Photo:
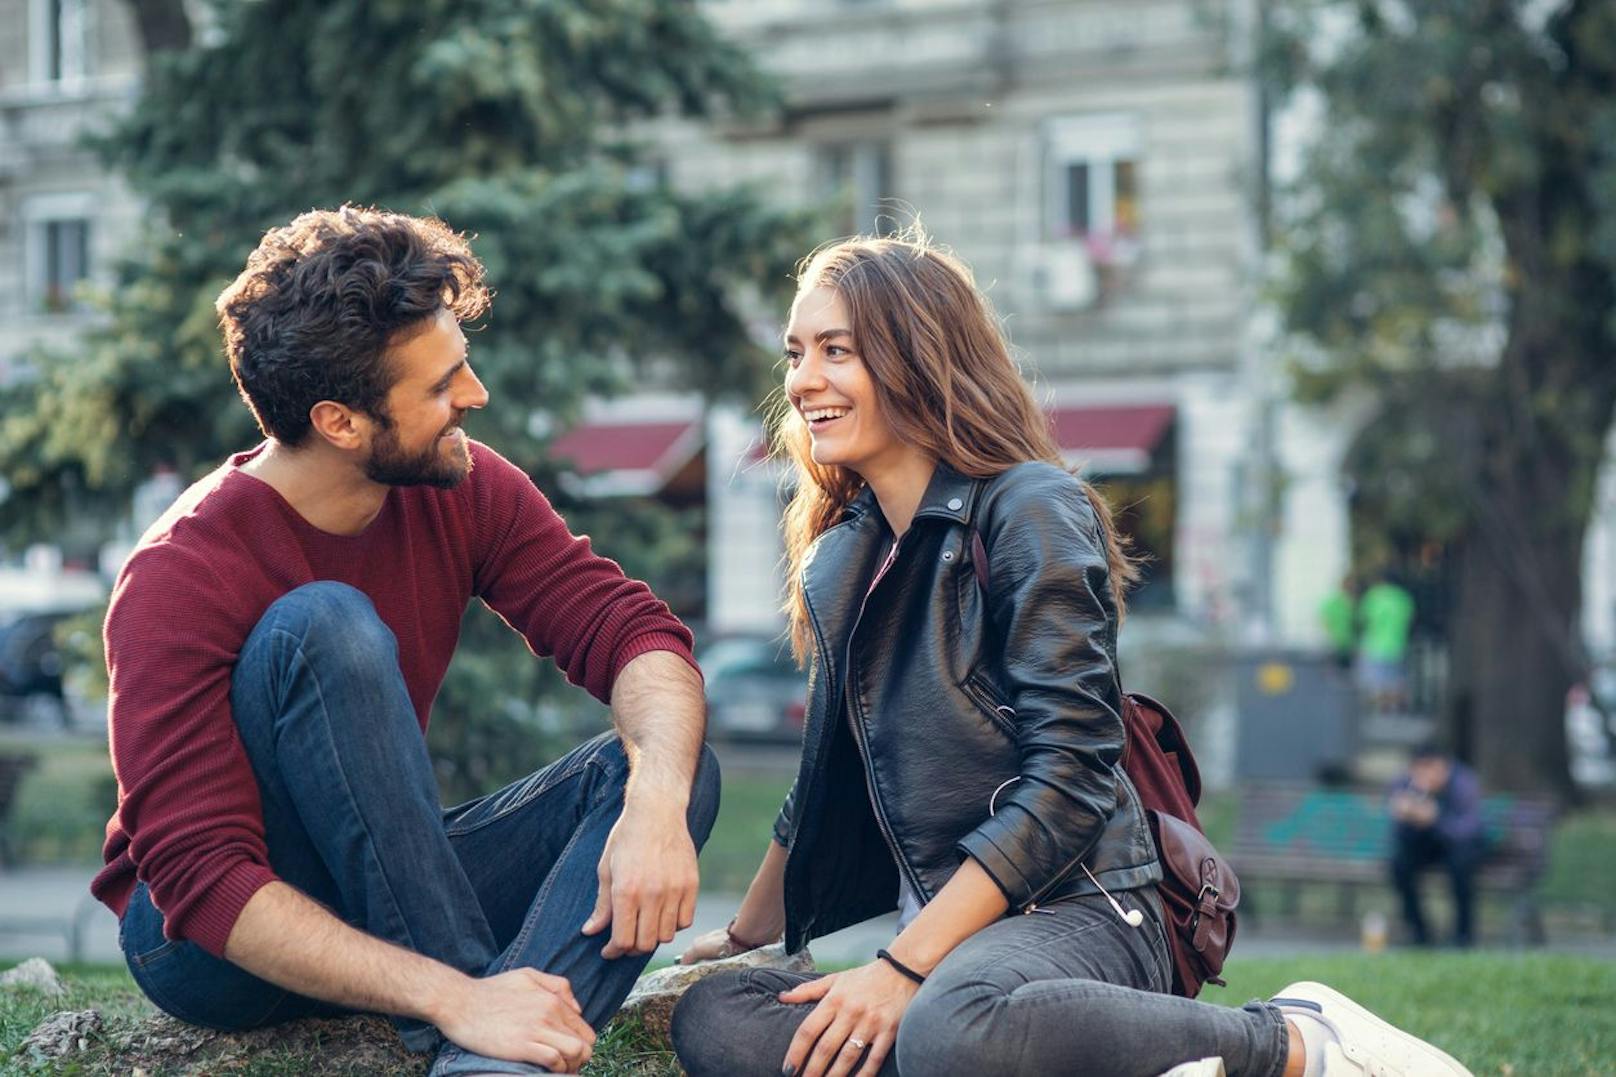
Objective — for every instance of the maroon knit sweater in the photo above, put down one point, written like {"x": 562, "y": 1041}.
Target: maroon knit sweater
{"x": 189, "y": 823}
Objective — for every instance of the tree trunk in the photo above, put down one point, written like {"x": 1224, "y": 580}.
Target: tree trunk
{"x": 163, "y": 24}
{"x": 1515, "y": 650}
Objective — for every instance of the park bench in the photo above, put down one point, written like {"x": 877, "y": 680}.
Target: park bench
{"x": 1296, "y": 834}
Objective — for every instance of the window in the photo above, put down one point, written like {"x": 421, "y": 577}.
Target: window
{"x": 1092, "y": 183}
{"x": 58, "y": 40}
{"x": 860, "y": 175}
{"x": 57, "y": 251}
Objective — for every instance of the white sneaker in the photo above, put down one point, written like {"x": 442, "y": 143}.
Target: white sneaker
{"x": 1364, "y": 1044}
{"x": 1206, "y": 1067}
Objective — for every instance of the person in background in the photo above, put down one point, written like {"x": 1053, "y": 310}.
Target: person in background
{"x": 1385, "y": 615}
{"x": 1339, "y": 615}
{"x": 1436, "y": 813}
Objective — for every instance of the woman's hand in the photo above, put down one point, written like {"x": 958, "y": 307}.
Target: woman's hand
{"x": 711, "y": 946}
{"x": 853, "y": 1028}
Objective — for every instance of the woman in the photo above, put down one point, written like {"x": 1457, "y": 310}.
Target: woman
{"x": 960, "y": 758}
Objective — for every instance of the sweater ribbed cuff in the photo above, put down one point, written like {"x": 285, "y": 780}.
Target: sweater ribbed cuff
{"x": 209, "y": 921}
{"x": 655, "y": 641}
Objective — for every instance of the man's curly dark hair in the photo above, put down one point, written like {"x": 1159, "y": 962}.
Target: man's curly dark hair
{"x": 312, "y": 315}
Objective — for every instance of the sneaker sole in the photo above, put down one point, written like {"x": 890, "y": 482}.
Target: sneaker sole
{"x": 1433, "y": 1056}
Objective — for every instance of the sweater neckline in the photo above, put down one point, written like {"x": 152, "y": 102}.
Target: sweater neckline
{"x": 289, "y": 511}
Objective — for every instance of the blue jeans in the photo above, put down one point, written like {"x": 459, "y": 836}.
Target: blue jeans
{"x": 1069, "y": 988}
{"x": 352, "y": 819}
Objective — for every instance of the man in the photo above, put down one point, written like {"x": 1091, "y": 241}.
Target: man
{"x": 274, "y": 646}
{"x": 1386, "y": 612}
{"x": 1436, "y": 813}
{"x": 1338, "y": 613}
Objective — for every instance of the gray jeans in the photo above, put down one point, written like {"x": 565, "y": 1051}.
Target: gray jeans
{"x": 1068, "y": 989}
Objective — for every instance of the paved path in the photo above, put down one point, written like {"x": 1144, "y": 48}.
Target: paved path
{"x": 39, "y": 905}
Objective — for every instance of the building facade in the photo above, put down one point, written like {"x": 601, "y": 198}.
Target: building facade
{"x": 65, "y": 67}
{"x": 1101, "y": 165}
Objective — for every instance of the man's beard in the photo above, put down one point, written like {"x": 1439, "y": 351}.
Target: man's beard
{"x": 391, "y": 465}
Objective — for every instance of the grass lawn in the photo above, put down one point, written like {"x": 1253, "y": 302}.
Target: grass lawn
{"x": 1498, "y": 1013}
{"x": 743, "y": 829}
{"x": 1510, "y": 1015}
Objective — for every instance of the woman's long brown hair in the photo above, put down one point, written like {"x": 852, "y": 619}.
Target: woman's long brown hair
{"x": 944, "y": 380}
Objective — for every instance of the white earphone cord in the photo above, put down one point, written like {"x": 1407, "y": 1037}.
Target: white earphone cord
{"x": 1131, "y": 917}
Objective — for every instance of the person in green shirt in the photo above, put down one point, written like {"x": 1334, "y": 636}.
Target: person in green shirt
{"x": 1339, "y": 613}
{"x": 1385, "y": 614}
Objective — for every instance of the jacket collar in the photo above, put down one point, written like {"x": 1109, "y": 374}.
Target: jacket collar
{"x": 949, "y": 496}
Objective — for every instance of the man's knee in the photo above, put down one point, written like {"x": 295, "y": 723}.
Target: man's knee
{"x": 704, "y": 797}
{"x": 334, "y": 621}
{"x": 320, "y": 634}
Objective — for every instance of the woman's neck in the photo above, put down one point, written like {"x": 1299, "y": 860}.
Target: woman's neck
{"x": 899, "y": 485}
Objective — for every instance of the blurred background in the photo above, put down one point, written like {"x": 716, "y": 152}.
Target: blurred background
{"x": 1320, "y": 293}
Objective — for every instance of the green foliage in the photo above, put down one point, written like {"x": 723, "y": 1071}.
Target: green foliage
{"x": 1449, "y": 274}
{"x": 1448, "y": 246}
{"x": 506, "y": 118}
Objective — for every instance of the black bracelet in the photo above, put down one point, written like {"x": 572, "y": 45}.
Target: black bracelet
{"x": 900, "y": 966}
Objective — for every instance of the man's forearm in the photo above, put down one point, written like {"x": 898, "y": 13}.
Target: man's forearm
{"x": 290, "y": 940}
{"x": 661, "y": 714}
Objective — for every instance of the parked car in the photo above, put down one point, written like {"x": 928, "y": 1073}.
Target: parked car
{"x": 754, "y": 690}
{"x": 31, "y": 669}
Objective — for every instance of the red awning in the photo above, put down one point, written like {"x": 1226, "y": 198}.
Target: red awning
{"x": 1115, "y": 439}
{"x": 628, "y": 457}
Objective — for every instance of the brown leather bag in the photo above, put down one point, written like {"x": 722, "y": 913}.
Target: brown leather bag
{"x": 1199, "y": 891}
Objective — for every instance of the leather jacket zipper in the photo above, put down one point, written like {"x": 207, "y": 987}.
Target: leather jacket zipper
{"x": 855, "y": 722}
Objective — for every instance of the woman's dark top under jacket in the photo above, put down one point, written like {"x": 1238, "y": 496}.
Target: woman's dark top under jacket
{"x": 988, "y": 729}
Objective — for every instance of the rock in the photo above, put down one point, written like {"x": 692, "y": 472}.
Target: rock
{"x": 163, "y": 1044}
{"x": 35, "y": 973}
{"x": 653, "y": 998}
{"x": 62, "y": 1034}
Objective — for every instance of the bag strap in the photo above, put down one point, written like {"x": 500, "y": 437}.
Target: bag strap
{"x": 979, "y": 560}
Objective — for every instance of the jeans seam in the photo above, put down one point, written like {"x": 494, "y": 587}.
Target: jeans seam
{"x": 572, "y": 772}
{"x": 1035, "y": 944}
{"x": 348, "y": 793}
{"x": 530, "y": 921}
{"x": 184, "y": 1013}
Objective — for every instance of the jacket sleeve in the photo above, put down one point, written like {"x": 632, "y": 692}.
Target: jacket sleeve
{"x": 1049, "y": 602}
{"x": 785, "y": 824}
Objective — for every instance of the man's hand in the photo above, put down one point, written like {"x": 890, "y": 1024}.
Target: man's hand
{"x": 648, "y": 881}
{"x": 523, "y": 1015}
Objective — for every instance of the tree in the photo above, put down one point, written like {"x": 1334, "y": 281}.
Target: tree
{"x": 1449, "y": 252}
{"x": 507, "y": 118}
{"x": 163, "y": 24}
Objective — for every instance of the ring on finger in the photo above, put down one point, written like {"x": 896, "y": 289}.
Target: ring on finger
{"x": 856, "y": 1043}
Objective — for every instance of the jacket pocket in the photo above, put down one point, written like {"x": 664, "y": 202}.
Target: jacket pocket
{"x": 981, "y": 693}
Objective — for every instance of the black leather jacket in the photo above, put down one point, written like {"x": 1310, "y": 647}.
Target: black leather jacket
{"x": 988, "y": 729}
